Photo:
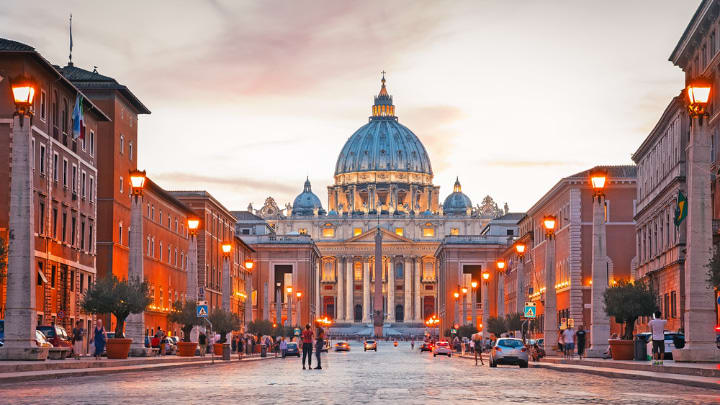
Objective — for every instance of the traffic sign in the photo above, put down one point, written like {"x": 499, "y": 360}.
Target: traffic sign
{"x": 61, "y": 315}
{"x": 296, "y": 332}
{"x": 202, "y": 311}
{"x": 453, "y": 331}
{"x": 563, "y": 323}
{"x": 530, "y": 312}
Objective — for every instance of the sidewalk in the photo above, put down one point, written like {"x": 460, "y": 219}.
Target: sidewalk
{"x": 19, "y": 371}
{"x": 704, "y": 375}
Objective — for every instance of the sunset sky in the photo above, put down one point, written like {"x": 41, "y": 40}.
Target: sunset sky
{"x": 248, "y": 98}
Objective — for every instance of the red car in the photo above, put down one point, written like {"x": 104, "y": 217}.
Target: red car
{"x": 426, "y": 347}
{"x": 56, "y": 335}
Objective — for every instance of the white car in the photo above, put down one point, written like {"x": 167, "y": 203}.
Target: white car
{"x": 509, "y": 351}
{"x": 442, "y": 348}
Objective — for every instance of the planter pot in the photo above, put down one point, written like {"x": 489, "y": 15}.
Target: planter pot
{"x": 622, "y": 349}
{"x": 218, "y": 349}
{"x": 118, "y": 348}
{"x": 186, "y": 349}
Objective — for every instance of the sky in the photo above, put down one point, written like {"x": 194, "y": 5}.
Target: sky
{"x": 250, "y": 97}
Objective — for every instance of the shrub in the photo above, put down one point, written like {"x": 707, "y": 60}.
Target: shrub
{"x": 185, "y": 314}
{"x": 626, "y": 302}
{"x": 121, "y": 298}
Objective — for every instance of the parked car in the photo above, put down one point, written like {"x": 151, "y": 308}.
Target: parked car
{"x": 292, "y": 349}
{"x": 342, "y": 346}
{"x": 509, "y": 351}
{"x": 673, "y": 340}
{"x": 426, "y": 347}
{"x": 56, "y": 335}
{"x": 370, "y": 345}
{"x": 442, "y": 348}
{"x": 41, "y": 340}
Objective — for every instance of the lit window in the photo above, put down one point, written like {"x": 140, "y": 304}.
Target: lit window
{"x": 454, "y": 231}
{"x": 328, "y": 273}
{"x": 328, "y": 232}
{"x": 357, "y": 231}
{"x": 358, "y": 271}
{"x": 399, "y": 231}
{"x": 121, "y": 184}
{"x": 428, "y": 232}
{"x": 122, "y": 145}
{"x": 302, "y": 231}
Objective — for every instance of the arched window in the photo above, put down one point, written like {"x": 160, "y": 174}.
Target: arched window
{"x": 428, "y": 271}
{"x": 122, "y": 144}
{"x": 328, "y": 273}
{"x": 399, "y": 271}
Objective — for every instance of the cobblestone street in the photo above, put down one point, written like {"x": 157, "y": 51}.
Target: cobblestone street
{"x": 390, "y": 375}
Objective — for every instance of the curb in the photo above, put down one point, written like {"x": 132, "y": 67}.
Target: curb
{"x": 85, "y": 372}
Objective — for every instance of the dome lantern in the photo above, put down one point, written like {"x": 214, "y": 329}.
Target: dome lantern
{"x": 383, "y": 107}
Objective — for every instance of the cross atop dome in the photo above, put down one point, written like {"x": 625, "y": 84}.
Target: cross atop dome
{"x": 383, "y": 106}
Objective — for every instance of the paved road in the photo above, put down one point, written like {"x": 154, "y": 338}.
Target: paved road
{"x": 392, "y": 375}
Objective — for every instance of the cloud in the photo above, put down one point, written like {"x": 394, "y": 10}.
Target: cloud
{"x": 178, "y": 180}
{"x": 521, "y": 164}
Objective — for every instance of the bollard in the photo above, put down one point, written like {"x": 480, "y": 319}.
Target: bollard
{"x": 226, "y": 351}
{"x": 263, "y": 351}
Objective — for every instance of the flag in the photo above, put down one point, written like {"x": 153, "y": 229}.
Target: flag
{"x": 680, "y": 209}
{"x": 78, "y": 118}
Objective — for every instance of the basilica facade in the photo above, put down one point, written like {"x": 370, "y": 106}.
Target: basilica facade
{"x": 383, "y": 183}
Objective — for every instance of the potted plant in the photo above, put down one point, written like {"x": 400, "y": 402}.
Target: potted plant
{"x": 121, "y": 298}
{"x": 223, "y": 322}
{"x": 184, "y": 313}
{"x": 626, "y": 302}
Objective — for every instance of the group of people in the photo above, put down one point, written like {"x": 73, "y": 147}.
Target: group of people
{"x": 307, "y": 337}
{"x": 99, "y": 338}
{"x": 568, "y": 339}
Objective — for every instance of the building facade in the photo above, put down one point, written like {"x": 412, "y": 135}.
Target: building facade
{"x": 64, "y": 180}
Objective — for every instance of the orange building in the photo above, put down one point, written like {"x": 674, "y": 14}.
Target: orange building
{"x": 65, "y": 179}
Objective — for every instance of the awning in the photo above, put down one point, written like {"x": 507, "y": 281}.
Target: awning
{"x": 42, "y": 277}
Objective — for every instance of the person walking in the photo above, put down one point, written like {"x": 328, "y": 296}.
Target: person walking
{"x": 569, "y": 339}
{"x": 99, "y": 339}
{"x": 477, "y": 347}
{"x": 412, "y": 344}
{"x": 283, "y": 347}
{"x": 319, "y": 344}
{"x": 657, "y": 327}
{"x": 202, "y": 342}
{"x": 307, "y": 343}
{"x": 581, "y": 337}
{"x": 77, "y": 339}
{"x": 561, "y": 343}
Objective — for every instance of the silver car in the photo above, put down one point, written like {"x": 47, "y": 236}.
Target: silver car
{"x": 509, "y": 351}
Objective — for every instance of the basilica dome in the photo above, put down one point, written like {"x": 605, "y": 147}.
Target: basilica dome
{"x": 457, "y": 203}
{"x": 307, "y": 202}
{"x": 383, "y": 144}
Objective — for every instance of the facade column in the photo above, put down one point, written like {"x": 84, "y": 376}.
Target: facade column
{"x": 599, "y": 321}
{"x": 699, "y": 297}
{"x": 317, "y": 291}
{"x": 551, "y": 324}
{"x": 349, "y": 286}
{"x": 289, "y": 306}
{"x": 418, "y": 298}
{"x": 226, "y": 293}
{"x": 366, "y": 291}
{"x": 248, "y": 299}
{"x": 500, "y": 294}
{"x": 340, "y": 310}
{"x": 473, "y": 293}
{"x": 266, "y": 302}
{"x": 520, "y": 285}
{"x": 278, "y": 306}
{"x": 135, "y": 325}
{"x": 391, "y": 291}
{"x": 21, "y": 317}
{"x": 407, "y": 309}
{"x": 485, "y": 307}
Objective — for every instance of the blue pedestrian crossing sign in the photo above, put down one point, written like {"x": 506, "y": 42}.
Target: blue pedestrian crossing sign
{"x": 202, "y": 310}
{"x": 529, "y": 311}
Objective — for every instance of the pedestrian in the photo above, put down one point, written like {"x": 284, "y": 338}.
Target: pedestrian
{"x": 412, "y": 344}
{"x": 319, "y": 344}
{"x": 77, "y": 339}
{"x": 161, "y": 336}
{"x": 657, "y": 327}
{"x": 283, "y": 347}
{"x": 233, "y": 344}
{"x": 561, "y": 343}
{"x": 202, "y": 341}
{"x": 307, "y": 343}
{"x": 99, "y": 338}
{"x": 477, "y": 344}
{"x": 569, "y": 339}
{"x": 581, "y": 337}
{"x": 240, "y": 345}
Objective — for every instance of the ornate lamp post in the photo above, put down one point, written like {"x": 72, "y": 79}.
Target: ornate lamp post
{"x": 699, "y": 299}
{"x": 486, "y": 302}
{"x": 249, "y": 264}
{"x": 599, "y": 321}
{"x": 457, "y": 310}
{"x": 135, "y": 326}
{"x": 501, "y": 269}
{"x": 464, "y": 313}
{"x": 21, "y": 317}
{"x": 520, "y": 278}
{"x": 193, "y": 292}
{"x": 473, "y": 292}
{"x": 289, "y": 305}
{"x": 551, "y": 325}
{"x": 227, "y": 250}
{"x": 298, "y": 295}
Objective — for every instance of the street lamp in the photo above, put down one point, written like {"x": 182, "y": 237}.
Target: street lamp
{"x": 520, "y": 249}
{"x": 549, "y": 223}
{"x": 136, "y": 322}
{"x": 473, "y": 292}
{"x": 137, "y": 181}
{"x": 298, "y": 295}
{"x": 289, "y": 305}
{"x": 23, "y": 89}
{"x": 249, "y": 264}
{"x": 457, "y": 310}
{"x": 500, "y": 265}
{"x": 226, "y": 249}
{"x": 520, "y": 276}
{"x": 485, "y": 299}
{"x": 599, "y": 321}
{"x": 193, "y": 223}
{"x": 698, "y": 94}
{"x": 550, "y": 305}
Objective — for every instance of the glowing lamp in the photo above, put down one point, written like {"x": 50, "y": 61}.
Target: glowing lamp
{"x": 137, "y": 181}
{"x": 549, "y": 222}
{"x": 298, "y": 294}
{"x": 249, "y": 264}
{"x": 226, "y": 248}
{"x": 520, "y": 248}
{"x": 193, "y": 223}
{"x": 456, "y": 295}
{"x": 717, "y": 329}
{"x": 464, "y": 290}
{"x": 473, "y": 284}
{"x": 289, "y": 290}
{"x": 23, "y": 89}
{"x": 500, "y": 264}
{"x": 698, "y": 94}
{"x": 486, "y": 276}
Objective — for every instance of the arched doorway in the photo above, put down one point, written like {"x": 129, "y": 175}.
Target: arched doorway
{"x": 399, "y": 313}
{"x": 428, "y": 306}
{"x": 358, "y": 313}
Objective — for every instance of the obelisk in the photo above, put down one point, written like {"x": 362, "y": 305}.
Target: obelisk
{"x": 378, "y": 313}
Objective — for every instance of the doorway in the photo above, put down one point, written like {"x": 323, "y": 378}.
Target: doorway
{"x": 399, "y": 313}
{"x": 358, "y": 313}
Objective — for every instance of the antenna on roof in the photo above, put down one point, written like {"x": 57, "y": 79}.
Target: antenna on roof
{"x": 70, "y": 62}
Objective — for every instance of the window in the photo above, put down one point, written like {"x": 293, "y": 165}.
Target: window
{"x": 90, "y": 238}
{"x": 357, "y": 231}
{"x": 120, "y": 233}
{"x": 147, "y": 250}
{"x": 54, "y": 224}
{"x": 673, "y": 304}
{"x": 39, "y": 277}
{"x": 65, "y": 173}
{"x": 130, "y": 150}
{"x": 82, "y": 235}
{"x": 74, "y": 179}
{"x": 428, "y": 232}
{"x": 428, "y": 271}
{"x": 122, "y": 145}
{"x": 302, "y": 231}
{"x": 92, "y": 187}
{"x": 43, "y": 102}
{"x": 169, "y": 255}
{"x": 399, "y": 271}
{"x": 56, "y": 167}
{"x": 399, "y": 231}
{"x": 152, "y": 213}
{"x": 64, "y": 116}
{"x": 328, "y": 232}
{"x": 53, "y": 275}
{"x": 358, "y": 270}
{"x": 454, "y": 231}
{"x": 152, "y": 251}
{"x": 64, "y": 226}
{"x": 328, "y": 273}
{"x": 41, "y": 213}
{"x": 72, "y": 230}
{"x": 161, "y": 251}
{"x": 121, "y": 184}
{"x": 32, "y": 155}
{"x": 82, "y": 139}
{"x": 82, "y": 185}
{"x": 92, "y": 143}
{"x": 42, "y": 159}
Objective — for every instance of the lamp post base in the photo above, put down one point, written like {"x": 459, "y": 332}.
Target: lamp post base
{"x": 598, "y": 352}
{"x": 24, "y": 353}
{"x": 705, "y": 354}
{"x": 140, "y": 352}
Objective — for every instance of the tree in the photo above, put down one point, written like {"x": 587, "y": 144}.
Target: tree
{"x": 185, "y": 314}
{"x": 627, "y": 301}
{"x": 260, "y": 327}
{"x": 3, "y": 259}
{"x": 514, "y": 321}
{"x": 121, "y": 298}
{"x": 466, "y": 331}
{"x": 223, "y": 322}
{"x": 495, "y": 326}
{"x": 713, "y": 271}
